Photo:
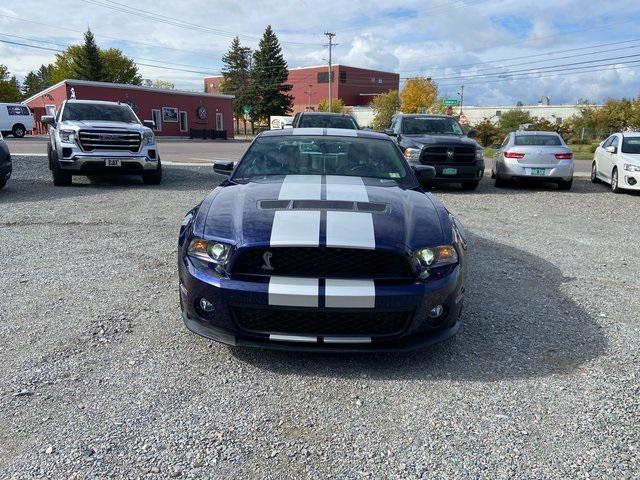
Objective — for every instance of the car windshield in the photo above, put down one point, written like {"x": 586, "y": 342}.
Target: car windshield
{"x": 631, "y": 145}
{"x": 327, "y": 121}
{"x": 322, "y": 155}
{"x": 431, "y": 126}
{"x": 537, "y": 140}
{"x": 96, "y": 111}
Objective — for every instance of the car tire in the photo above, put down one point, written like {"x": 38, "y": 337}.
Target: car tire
{"x": 60, "y": 178}
{"x": 3, "y": 182}
{"x": 565, "y": 185}
{"x": 18, "y": 131}
{"x": 470, "y": 186}
{"x": 614, "y": 181}
{"x": 594, "y": 174}
{"x": 500, "y": 182}
{"x": 154, "y": 177}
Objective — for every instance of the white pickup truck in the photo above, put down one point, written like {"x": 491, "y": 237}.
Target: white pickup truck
{"x": 90, "y": 137}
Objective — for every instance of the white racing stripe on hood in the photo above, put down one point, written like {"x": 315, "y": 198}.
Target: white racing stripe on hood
{"x": 295, "y": 229}
{"x": 346, "y": 188}
{"x": 341, "y": 293}
{"x": 301, "y": 187}
{"x": 350, "y": 230}
{"x": 294, "y": 291}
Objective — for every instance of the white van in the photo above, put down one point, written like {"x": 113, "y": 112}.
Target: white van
{"x": 15, "y": 119}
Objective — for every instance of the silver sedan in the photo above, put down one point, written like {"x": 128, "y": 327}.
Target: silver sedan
{"x": 533, "y": 155}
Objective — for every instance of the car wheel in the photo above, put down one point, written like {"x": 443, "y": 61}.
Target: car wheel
{"x": 594, "y": 173}
{"x": 3, "y": 182}
{"x": 18, "y": 131}
{"x": 493, "y": 173}
{"x": 470, "y": 186}
{"x": 614, "y": 181}
{"x": 500, "y": 182}
{"x": 153, "y": 178}
{"x": 565, "y": 185}
{"x": 60, "y": 178}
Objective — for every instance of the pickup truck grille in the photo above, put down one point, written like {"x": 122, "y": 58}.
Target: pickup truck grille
{"x": 114, "y": 140}
{"x": 448, "y": 154}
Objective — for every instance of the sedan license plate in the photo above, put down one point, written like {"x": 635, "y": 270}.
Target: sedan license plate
{"x": 112, "y": 162}
{"x": 538, "y": 172}
{"x": 449, "y": 171}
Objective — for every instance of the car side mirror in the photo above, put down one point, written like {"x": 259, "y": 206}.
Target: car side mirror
{"x": 149, "y": 124}
{"x": 48, "y": 120}
{"x": 424, "y": 173}
{"x": 610, "y": 149}
{"x": 473, "y": 133}
{"x": 390, "y": 132}
{"x": 223, "y": 168}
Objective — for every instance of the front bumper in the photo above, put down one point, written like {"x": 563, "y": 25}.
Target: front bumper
{"x": 227, "y": 295}
{"x": 511, "y": 169}
{"x": 74, "y": 160}
{"x": 629, "y": 180}
{"x": 5, "y": 171}
{"x": 468, "y": 173}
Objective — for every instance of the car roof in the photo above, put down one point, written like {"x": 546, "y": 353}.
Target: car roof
{"x": 631, "y": 134}
{"x": 528, "y": 132}
{"x": 332, "y": 114}
{"x": 100, "y": 102}
{"x": 325, "y": 132}
{"x": 432, "y": 115}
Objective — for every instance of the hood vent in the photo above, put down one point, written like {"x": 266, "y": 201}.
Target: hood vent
{"x": 335, "y": 205}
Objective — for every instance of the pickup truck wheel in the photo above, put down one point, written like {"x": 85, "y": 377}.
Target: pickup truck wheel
{"x": 60, "y": 178}
{"x": 18, "y": 131}
{"x": 470, "y": 186}
{"x": 154, "y": 177}
{"x": 3, "y": 182}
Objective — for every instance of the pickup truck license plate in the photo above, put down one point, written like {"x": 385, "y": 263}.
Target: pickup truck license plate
{"x": 449, "y": 171}
{"x": 113, "y": 162}
{"x": 538, "y": 172}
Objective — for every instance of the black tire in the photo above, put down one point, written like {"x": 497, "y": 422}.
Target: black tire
{"x": 594, "y": 176}
{"x": 60, "y": 178}
{"x": 153, "y": 178}
{"x": 470, "y": 186}
{"x": 614, "y": 181}
{"x": 500, "y": 182}
{"x": 3, "y": 182}
{"x": 565, "y": 185}
{"x": 18, "y": 131}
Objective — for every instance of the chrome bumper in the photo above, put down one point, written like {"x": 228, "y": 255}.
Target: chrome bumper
{"x": 563, "y": 170}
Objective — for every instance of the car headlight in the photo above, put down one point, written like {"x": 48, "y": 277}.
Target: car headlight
{"x": 631, "y": 168}
{"x": 211, "y": 252}
{"x": 67, "y": 136}
{"x": 412, "y": 153}
{"x": 148, "y": 138}
{"x": 479, "y": 154}
{"x": 427, "y": 258}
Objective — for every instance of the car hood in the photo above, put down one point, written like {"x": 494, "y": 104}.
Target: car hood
{"x": 266, "y": 212}
{"x": 97, "y": 124}
{"x": 425, "y": 140}
{"x": 633, "y": 158}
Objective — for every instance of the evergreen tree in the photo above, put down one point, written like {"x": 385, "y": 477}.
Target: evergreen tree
{"x": 31, "y": 84}
{"x": 87, "y": 62}
{"x": 237, "y": 77}
{"x": 9, "y": 87}
{"x": 268, "y": 74}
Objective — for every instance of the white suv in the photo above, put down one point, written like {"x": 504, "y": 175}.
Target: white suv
{"x": 617, "y": 162}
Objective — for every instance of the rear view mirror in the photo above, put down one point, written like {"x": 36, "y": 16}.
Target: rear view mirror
{"x": 610, "y": 149}
{"x": 48, "y": 120}
{"x": 424, "y": 173}
{"x": 223, "y": 168}
{"x": 149, "y": 124}
{"x": 389, "y": 132}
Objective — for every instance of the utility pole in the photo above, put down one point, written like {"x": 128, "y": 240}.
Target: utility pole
{"x": 461, "y": 97}
{"x": 330, "y": 36}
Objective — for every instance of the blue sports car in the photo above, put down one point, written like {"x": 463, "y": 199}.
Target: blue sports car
{"x": 322, "y": 239}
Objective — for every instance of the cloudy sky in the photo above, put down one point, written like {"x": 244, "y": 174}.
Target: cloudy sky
{"x": 503, "y": 51}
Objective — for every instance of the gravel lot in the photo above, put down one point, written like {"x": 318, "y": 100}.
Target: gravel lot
{"x": 101, "y": 379}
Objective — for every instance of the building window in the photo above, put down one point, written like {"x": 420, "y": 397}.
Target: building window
{"x": 156, "y": 116}
{"x": 343, "y": 76}
{"x": 184, "y": 124}
{"x": 219, "y": 122}
{"x": 498, "y": 113}
{"x": 379, "y": 80}
{"x": 323, "y": 77}
{"x": 373, "y": 80}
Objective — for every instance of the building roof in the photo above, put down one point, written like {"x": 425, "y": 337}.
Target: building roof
{"x": 342, "y": 65}
{"x": 124, "y": 86}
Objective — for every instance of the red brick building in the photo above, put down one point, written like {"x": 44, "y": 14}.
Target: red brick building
{"x": 175, "y": 112}
{"x": 355, "y": 86}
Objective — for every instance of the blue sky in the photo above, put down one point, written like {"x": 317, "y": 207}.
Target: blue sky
{"x": 503, "y": 51}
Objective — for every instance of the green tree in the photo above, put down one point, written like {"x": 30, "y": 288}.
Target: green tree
{"x": 337, "y": 106}
{"x": 384, "y": 107}
{"x": 87, "y": 63}
{"x": 269, "y": 73}
{"x": 236, "y": 75}
{"x": 512, "y": 119}
{"x": 118, "y": 68}
{"x": 488, "y": 133}
{"x": 9, "y": 86}
{"x": 418, "y": 95}
{"x": 163, "y": 84}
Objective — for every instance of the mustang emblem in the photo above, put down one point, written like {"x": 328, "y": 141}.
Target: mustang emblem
{"x": 266, "y": 258}
{"x": 449, "y": 153}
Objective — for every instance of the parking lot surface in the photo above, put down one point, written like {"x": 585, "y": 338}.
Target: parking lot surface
{"x": 101, "y": 379}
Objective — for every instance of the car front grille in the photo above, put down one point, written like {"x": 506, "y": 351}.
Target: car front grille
{"x": 266, "y": 320}
{"x": 112, "y": 140}
{"x": 443, "y": 154}
{"x": 323, "y": 262}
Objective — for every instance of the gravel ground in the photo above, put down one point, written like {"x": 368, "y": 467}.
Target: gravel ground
{"x": 101, "y": 379}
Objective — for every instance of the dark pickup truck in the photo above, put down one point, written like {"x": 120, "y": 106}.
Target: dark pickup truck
{"x": 439, "y": 141}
